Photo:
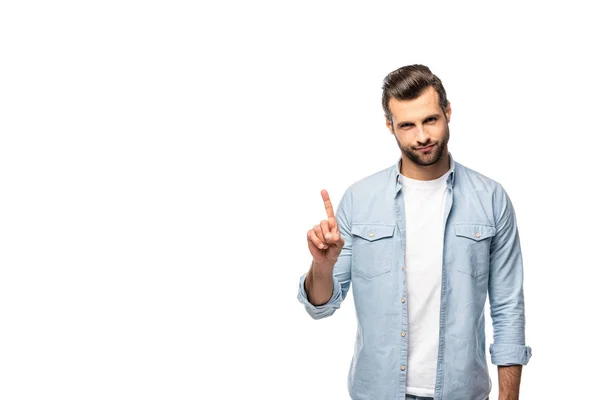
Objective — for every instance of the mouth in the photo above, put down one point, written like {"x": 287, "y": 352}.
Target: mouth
{"x": 425, "y": 149}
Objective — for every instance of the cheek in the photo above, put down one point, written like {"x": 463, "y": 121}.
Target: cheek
{"x": 437, "y": 131}
{"x": 403, "y": 142}
{"x": 399, "y": 138}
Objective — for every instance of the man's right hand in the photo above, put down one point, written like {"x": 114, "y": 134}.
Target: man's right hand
{"x": 324, "y": 240}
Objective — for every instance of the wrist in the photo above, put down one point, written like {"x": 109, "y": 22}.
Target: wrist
{"x": 322, "y": 269}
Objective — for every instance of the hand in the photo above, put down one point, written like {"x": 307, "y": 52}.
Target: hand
{"x": 324, "y": 240}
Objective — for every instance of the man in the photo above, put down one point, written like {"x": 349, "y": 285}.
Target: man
{"x": 423, "y": 243}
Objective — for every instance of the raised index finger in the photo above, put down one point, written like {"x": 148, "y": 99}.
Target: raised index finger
{"x": 328, "y": 206}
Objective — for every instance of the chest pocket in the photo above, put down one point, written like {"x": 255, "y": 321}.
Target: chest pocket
{"x": 372, "y": 249}
{"x": 473, "y": 245}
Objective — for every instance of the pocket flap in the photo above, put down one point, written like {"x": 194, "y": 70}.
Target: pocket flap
{"x": 476, "y": 232}
{"x": 372, "y": 232}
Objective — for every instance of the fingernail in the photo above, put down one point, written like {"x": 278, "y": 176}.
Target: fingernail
{"x": 321, "y": 246}
{"x": 328, "y": 236}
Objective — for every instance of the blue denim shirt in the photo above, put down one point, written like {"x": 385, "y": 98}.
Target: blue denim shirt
{"x": 481, "y": 257}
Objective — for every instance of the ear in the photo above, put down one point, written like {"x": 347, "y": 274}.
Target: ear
{"x": 389, "y": 125}
{"x": 448, "y": 112}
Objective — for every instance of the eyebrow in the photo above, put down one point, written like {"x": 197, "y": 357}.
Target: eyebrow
{"x": 436, "y": 115}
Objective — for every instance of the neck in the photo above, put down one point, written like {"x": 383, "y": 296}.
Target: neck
{"x": 425, "y": 172}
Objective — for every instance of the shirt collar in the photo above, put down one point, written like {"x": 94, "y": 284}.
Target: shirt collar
{"x": 449, "y": 180}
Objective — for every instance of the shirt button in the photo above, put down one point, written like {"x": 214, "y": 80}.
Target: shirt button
{"x": 403, "y": 368}
{"x": 371, "y": 234}
{"x": 403, "y": 333}
{"x": 403, "y": 268}
{"x": 478, "y": 235}
{"x": 403, "y": 299}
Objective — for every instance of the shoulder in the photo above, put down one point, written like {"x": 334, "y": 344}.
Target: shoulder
{"x": 471, "y": 182}
{"x": 467, "y": 180}
{"x": 375, "y": 183}
{"x": 371, "y": 190}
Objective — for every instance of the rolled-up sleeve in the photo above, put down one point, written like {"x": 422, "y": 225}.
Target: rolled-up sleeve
{"x": 505, "y": 286}
{"x": 325, "y": 310}
{"x": 510, "y": 354}
{"x": 341, "y": 269}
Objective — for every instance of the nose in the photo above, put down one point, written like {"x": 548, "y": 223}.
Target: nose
{"x": 423, "y": 136}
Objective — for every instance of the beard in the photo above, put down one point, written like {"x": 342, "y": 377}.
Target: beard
{"x": 432, "y": 156}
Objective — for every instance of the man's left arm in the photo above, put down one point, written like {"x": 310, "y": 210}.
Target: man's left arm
{"x": 509, "y": 380}
{"x": 507, "y": 306}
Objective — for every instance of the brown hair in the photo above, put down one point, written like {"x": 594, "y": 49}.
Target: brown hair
{"x": 407, "y": 83}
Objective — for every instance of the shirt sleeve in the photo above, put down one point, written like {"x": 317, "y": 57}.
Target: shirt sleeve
{"x": 341, "y": 269}
{"x": 505, "y": 287}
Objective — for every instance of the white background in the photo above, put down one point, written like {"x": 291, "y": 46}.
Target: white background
{"x": 161, "y": 162}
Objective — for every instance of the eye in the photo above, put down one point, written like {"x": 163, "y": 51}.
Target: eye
{"x": 430, "y": 120}
{"x": 406, "y": 126}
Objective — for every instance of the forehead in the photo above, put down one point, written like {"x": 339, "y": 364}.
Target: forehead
{"x": 408, "y": 110}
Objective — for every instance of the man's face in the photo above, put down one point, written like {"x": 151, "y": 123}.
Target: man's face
{"x": 420, "y": 127}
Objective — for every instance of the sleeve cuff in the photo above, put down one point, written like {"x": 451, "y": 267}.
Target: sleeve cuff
{"x": 325, "y": 310}
{"x": 510, "y": 354}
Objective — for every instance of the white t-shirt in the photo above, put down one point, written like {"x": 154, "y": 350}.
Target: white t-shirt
{"x": 424, "y": 203}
